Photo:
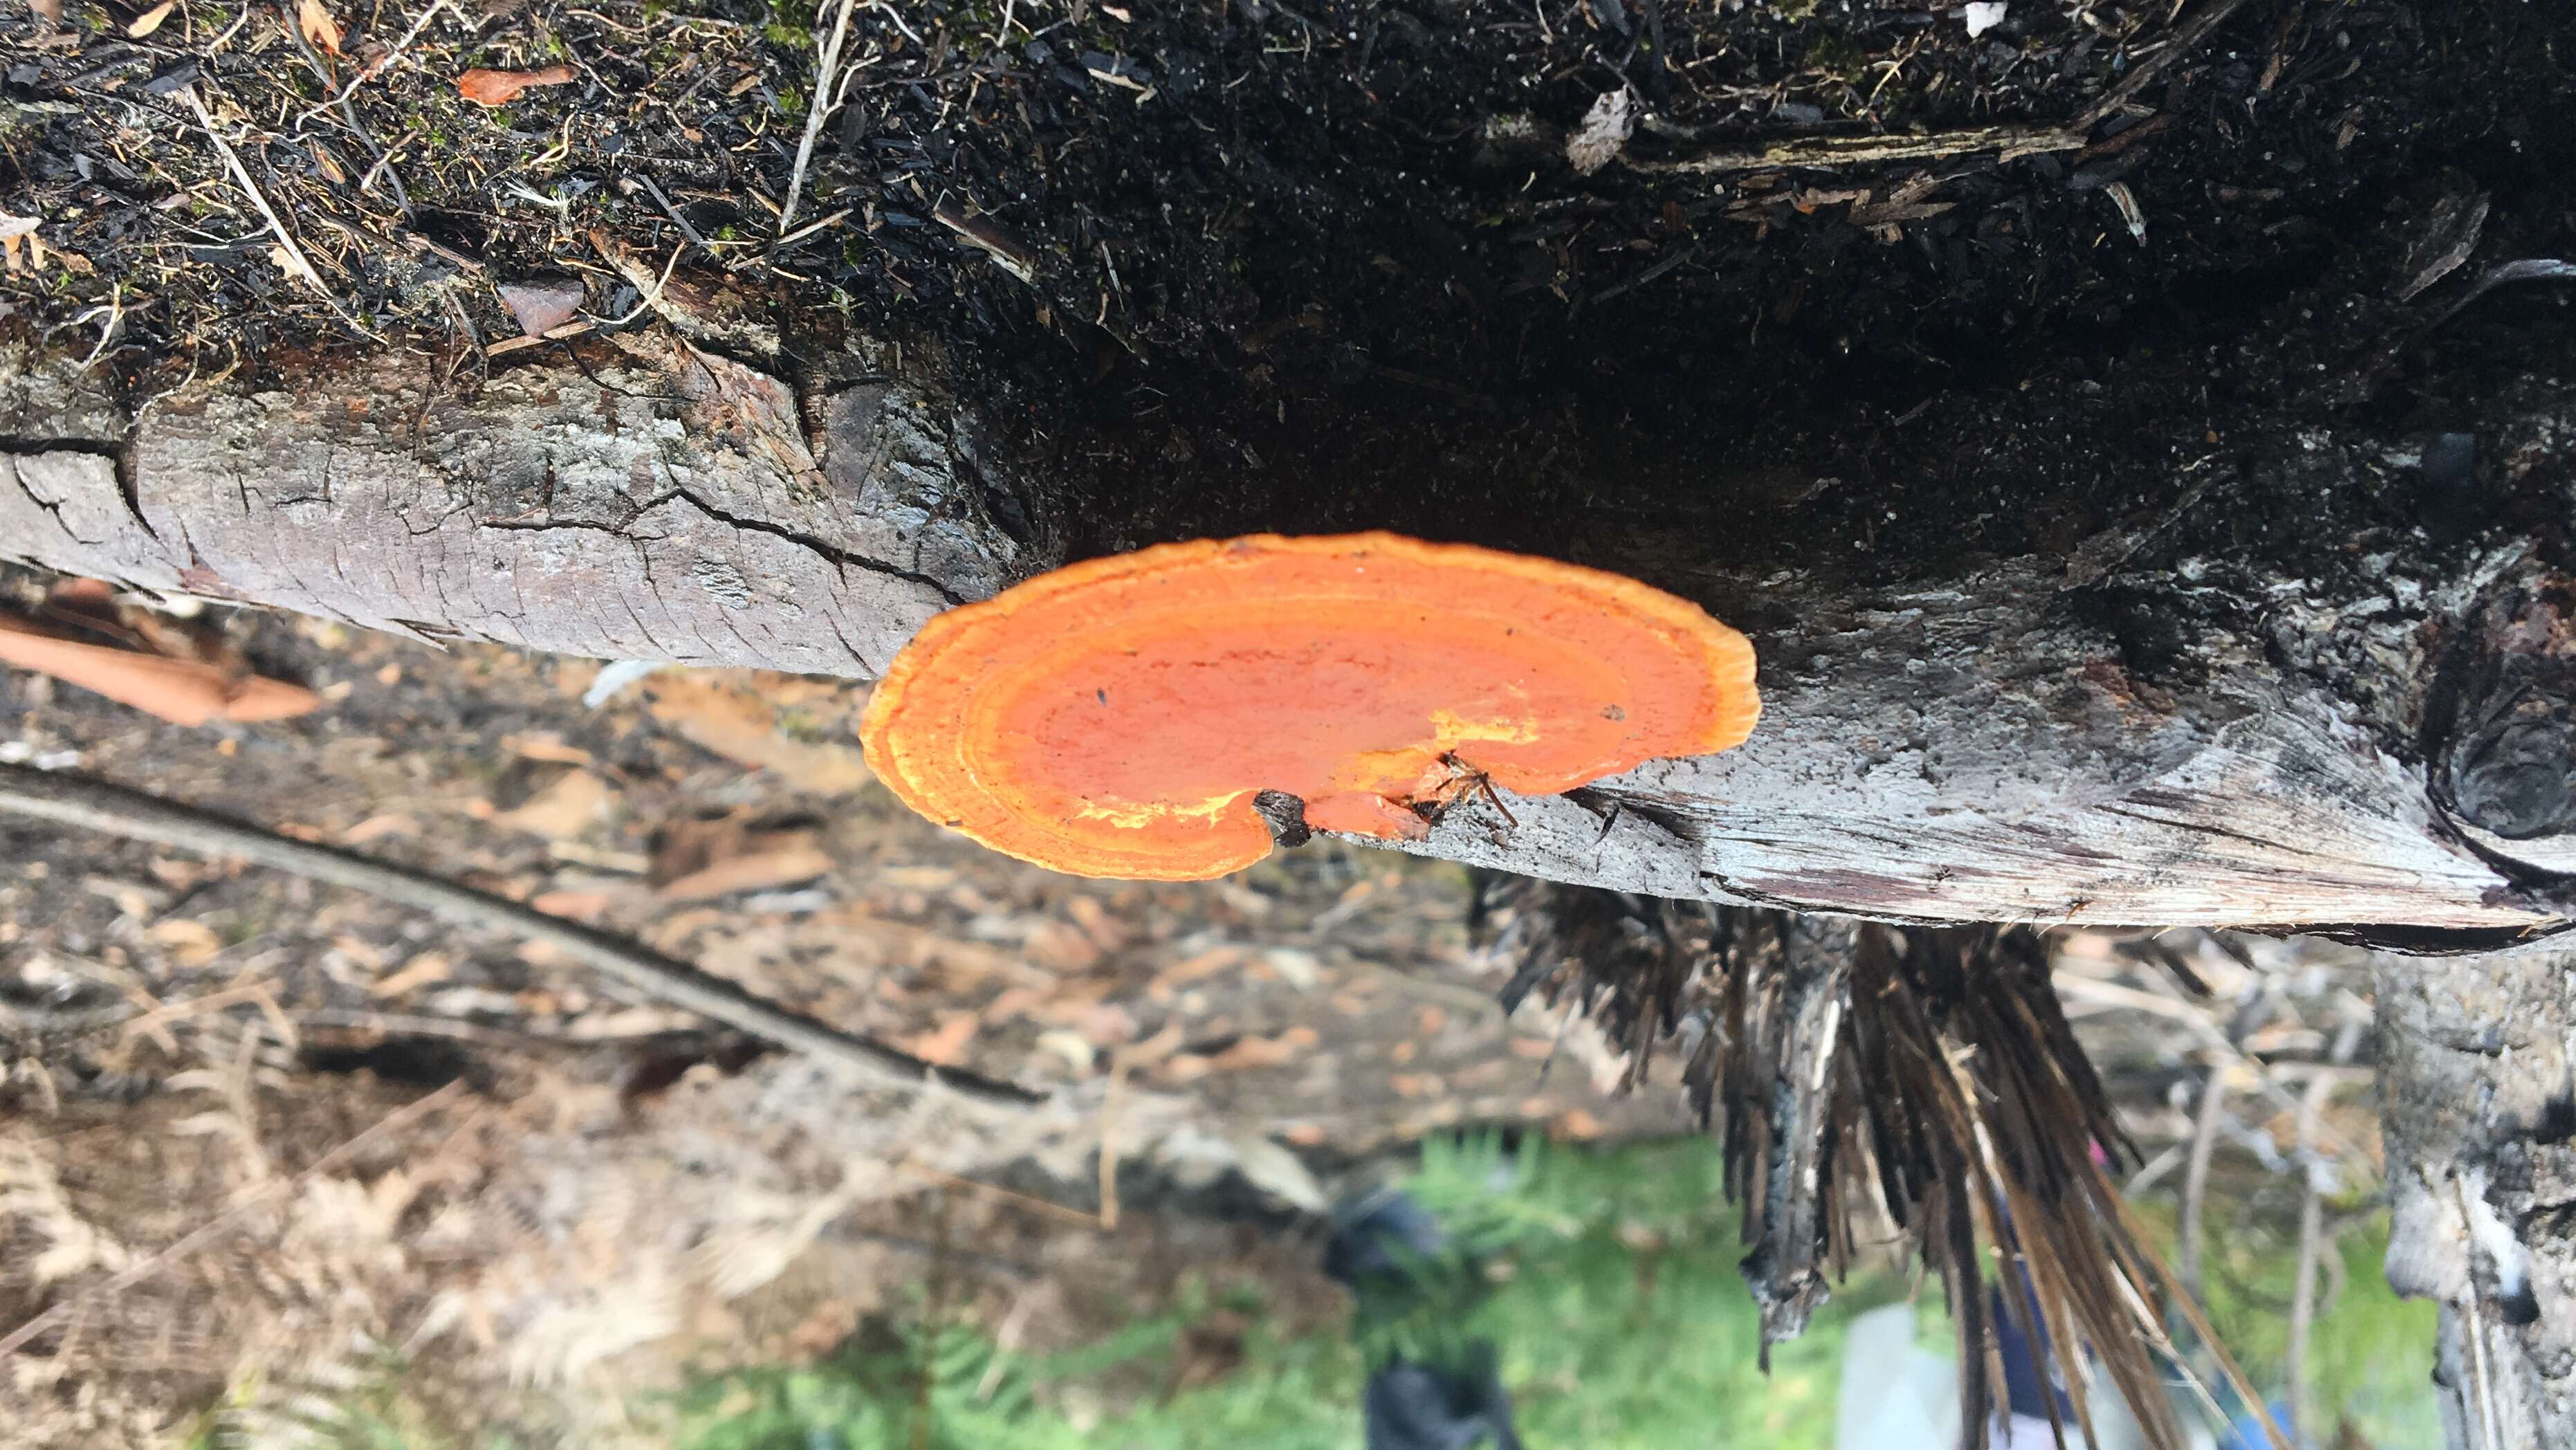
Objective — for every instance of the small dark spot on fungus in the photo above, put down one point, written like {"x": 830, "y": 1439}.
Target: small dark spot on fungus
{"x": 1368, "y": 680}
{"x": 1286, "y": 817}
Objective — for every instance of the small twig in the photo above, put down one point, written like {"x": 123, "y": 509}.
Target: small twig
{"x": 673, "y": 213}
{"x": 382, "y": 65}
{"x": 896, "y": 16}
{"x": 2530, "y": 269}
{"x": 2264, "y": 1077}
{"x": 401, "y": 1117}
{"x": 810, "y": 228}
{"x": 624, "y": 262}
{"x": 2145, "y": 71}
{"x": 110, "y": 316}
{"x": 385, "y": 167}
{"x": 2195, "y": 1179}
{"x": 1832, "y": 151}
{"x": 1112, "y": 1110}
{"x": 564, "y": 333}
{"x": 1650, "y": 274}
{"x": 818, "y": 108}
{"x": 1008, "y": 252}
{"x": 99, "y": 806}
{"x": 2481, "y": 1374}
{"x": 348, "y": 113}
{"x": 242, "y": 177}
{"x": 1037, "y": 1206}
{"x": 2303, "y": 1292}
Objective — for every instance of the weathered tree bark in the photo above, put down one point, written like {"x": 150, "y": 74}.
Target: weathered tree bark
{"x": 2384, "y": 751}
{"x": 656, "y": 501}
{"x": 2478, "y": 1077}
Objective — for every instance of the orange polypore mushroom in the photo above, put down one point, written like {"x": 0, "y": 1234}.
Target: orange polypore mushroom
{"x": 1118, "y": 717}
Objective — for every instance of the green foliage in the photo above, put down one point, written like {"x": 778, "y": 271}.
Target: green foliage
{"x": 2370, "y": 1353}
{"x": 1606, "y": 1278}
{"x": 1622, "y": 1320}
{"x": 916, "y": 1388}
{"x": 377, "y": 1411}
{"x": 1608, "y": 1283}
{"x": 942, "y": 1389}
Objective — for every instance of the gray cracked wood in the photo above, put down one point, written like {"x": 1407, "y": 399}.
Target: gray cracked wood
{"x": 1958, "y": 754}
{"x": 2477, "y": 1072}
{"x": 652, "y": 502}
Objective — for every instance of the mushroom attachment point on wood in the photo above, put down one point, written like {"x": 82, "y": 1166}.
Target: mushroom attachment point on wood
{"x": 1129, "y": 716}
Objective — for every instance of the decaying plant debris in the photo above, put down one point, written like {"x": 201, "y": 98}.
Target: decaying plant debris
{"x": 1921, "y": 1079}
{"x": 1165, "y": 238}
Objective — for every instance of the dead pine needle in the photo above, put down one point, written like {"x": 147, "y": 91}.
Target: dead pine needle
{"x": 818, "y": 109}
{"x": 1039, "y": 1206}
{"x": 296, "y": 260}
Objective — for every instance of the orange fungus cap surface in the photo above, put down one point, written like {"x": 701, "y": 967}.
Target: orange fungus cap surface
{"x": 1117, "y": 717}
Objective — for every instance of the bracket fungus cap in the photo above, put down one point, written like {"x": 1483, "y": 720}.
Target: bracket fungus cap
{"x": 1118, "y": 717}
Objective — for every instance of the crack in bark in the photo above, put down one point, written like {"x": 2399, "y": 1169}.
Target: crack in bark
{"x": 2206, "y": 829}
{"x": 839, "y": 557}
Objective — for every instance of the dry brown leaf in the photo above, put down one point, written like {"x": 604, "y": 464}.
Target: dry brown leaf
{"x": 716, "y": 716}
{"x": 1060, "y": 946}
{"x": 1576, "y": 1123}
{"x": 1206, "y": 964}
{"x": 20, "y": 247}
{"x": 945, "y": 1043}
{"x": 765, "y": 871}
{"x": 565, "y": 808}
{"x": 150, "y": 20}
{"x": 542, "y": 304}
{"x": 582, "y": 906}
{"x": 376, "y": 828}
{"x": 701, "y": 860}
{"x": 501, "y": 87}
{"x": 183, "y": 692}
{"x": 189, "y": 943}
{"x": 1068, "y": 1046}
{"x": 546, "y": 746}
{"x": 314, "y": 19}
{"x": 420, "y": 971}
{"x": 1244, "y": 1054}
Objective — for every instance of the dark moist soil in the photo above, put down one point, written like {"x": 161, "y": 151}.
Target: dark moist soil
{"x": 1328, "y": 266}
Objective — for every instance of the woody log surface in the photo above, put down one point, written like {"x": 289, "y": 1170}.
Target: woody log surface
{"x": 2206, "y": 565}
{"x": 1963, "y": 747}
